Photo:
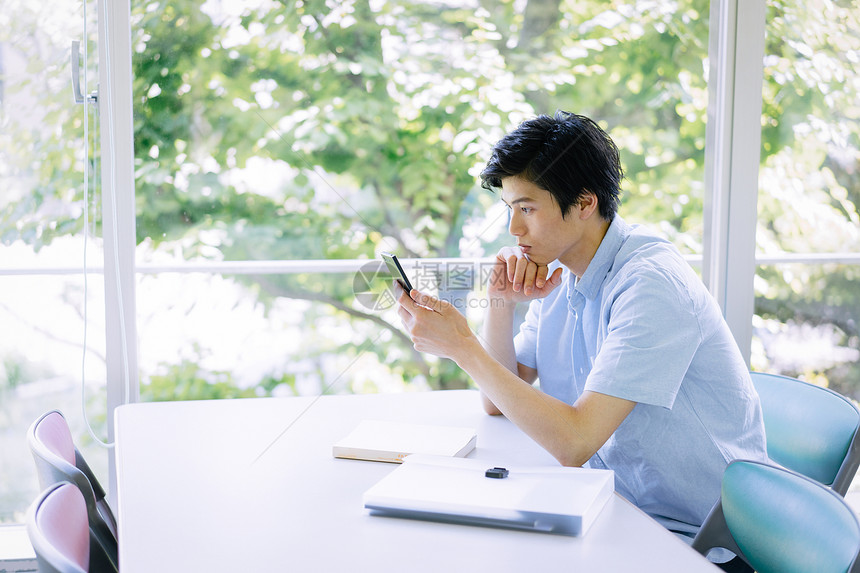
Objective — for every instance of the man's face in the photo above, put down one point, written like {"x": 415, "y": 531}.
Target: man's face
{"x": 536, "y": 222}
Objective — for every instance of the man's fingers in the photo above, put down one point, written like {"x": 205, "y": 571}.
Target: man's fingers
{"x": 419, "y": 298}
{"x": 540, "y": 277}
{"x": 512, "y": 261}
{"x": 426, "y": 301}
{"x": 520, "y": 274}
{"x": 498, "y": 276}
{"x": 401, "y": 295}
{"x": 529, "y": 278}
{"x": 403, "y": 314}
{"x": 553, "y": 281}
{"x": 523, "y": 274}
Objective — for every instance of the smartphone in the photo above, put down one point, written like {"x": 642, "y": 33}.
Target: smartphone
{"x": 394, "y": 267}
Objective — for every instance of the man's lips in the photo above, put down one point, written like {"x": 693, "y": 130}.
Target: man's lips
{"x": 525, "y": 248}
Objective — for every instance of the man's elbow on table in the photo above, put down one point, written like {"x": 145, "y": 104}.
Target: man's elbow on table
{"x": 489, "y": 407}
{"x": 571, "y": 459}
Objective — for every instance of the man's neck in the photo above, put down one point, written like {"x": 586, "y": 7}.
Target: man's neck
{"x": 595, "y": 231}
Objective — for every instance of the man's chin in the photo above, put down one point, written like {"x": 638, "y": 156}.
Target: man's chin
{"x": 537, "y": 259}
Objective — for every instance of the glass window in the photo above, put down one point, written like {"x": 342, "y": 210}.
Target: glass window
{"x": 808, "y": 314}
{"x": 320, "y": 130}
{"x": 42, "y": 287}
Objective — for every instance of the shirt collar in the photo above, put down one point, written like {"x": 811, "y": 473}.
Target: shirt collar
{"x": 590, "y": 282}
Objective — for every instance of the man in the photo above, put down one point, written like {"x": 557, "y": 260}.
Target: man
{"x": 638, "y": 371}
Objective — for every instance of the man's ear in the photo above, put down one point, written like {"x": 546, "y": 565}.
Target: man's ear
{"x": 588, "y": 205}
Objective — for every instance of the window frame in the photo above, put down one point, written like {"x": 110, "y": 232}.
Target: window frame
{"x": 732, "y": 158}
{"x": 118, "y": 206}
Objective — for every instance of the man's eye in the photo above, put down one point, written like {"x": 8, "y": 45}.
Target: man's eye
{"x": 526, "y": 210}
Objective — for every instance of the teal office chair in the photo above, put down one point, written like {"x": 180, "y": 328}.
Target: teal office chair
{"x": 58, "y": 460}
{"x": 810, "y": 429}
{"x": 58, "y": 528}
{"x": 779, "y": 521}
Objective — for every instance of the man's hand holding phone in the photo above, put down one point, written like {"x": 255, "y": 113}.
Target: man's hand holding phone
{"x": 515, "y": 278}
{"x": 400, "y": 278}
{"x": 395, "y": 268}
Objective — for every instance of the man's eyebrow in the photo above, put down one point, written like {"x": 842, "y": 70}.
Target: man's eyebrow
{"x": 518, "y": 200}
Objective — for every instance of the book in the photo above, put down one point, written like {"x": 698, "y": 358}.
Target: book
{"x": 551, "y": 499}
{"x": 384, "y": 441}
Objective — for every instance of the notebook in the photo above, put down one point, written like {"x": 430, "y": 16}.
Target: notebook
{"x": 385, "y": 441}
{"x": 547, "y": 499}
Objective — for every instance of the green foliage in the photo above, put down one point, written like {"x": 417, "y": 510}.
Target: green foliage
{"x": 809, "y": 184}
{"x": 16, "y": 370}
{"x": 187, "y": 381}
{"x": 41, "y": 195}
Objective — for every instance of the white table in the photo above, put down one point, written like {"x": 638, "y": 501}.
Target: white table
{"x": 251, "y": 485}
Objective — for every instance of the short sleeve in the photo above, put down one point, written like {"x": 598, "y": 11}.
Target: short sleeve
{"x": 525, "y": 342}
{"x": 652, "y": 336}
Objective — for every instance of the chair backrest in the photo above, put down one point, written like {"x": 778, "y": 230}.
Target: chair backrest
{"x": 810, "y": 429}
{"x": 58, "y": 460}
{"x": 58, "y": 528}
{"x": 780, "y": 521}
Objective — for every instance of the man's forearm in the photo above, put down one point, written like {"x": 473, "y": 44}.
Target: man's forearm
{"x": 497, "y": 338}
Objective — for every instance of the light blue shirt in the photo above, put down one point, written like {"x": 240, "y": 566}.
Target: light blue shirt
{"x": 640, "y": 325}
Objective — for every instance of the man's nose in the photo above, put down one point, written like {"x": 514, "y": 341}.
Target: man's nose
{"x": 515, "y": 226}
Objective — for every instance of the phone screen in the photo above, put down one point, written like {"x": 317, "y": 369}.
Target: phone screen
{"x": 394, "y": 267}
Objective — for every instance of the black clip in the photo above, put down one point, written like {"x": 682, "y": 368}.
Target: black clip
{"x": 497, "y": 473}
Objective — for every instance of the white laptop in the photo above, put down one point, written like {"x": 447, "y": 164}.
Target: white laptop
{"x": 550, "y": 499}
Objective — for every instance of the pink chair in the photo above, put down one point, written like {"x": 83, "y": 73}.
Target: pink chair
{"x": 58, "y": 460}
{"x": 58, "y": 528}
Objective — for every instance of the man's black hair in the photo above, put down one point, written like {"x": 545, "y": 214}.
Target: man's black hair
{"x": 567, "y": 155}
